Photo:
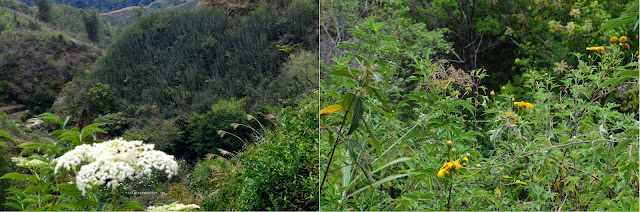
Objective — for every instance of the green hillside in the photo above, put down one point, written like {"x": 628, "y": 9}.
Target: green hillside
{"x": 37, "y": 58}
{"x": 102, "y": 5}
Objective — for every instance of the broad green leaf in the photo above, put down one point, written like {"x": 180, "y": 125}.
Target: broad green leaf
{"x": 347, "y": 101}
{"x": 64, "y": 121}
{"x": 28, "y": 150}
{"x": 49, "y": 117}
{"x": 342, "y": 72}
{"x": 130, "y": 206}
{"x": 16, "y": 206}
{"x": 5, "y": 135}
{"x": 358, "y": 111}
{"x": 15, "y": 176}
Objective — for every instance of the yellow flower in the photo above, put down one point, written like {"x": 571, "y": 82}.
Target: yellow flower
{"x": 465, "y": 159}
{"x": 456, "y": 164}
{"x": 523, "y": 104}
{"x": 468, "y": 89}
{"x": 613, "y": 39}
{"x": 623, "y": 39}
{"x": 600, "y": 49}
{"x": 451, "y": 79}
{"x": 441, "y": 173}
{"x": 513, "y": 121}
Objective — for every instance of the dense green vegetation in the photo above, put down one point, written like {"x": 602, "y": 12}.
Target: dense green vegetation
{"x": 102, "y": 5}
{"x": 185, "y": 109}
{"x": 505, "y": 105}
{"x": 36, "y": 62}
{"x": 173, "y": 64}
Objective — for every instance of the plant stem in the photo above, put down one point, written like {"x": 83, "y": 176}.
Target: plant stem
{"x": 449, "y": 196}
{"x": 335, "y": 144}
{"x": 115, "y": 197}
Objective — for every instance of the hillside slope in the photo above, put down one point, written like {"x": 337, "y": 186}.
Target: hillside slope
{"x": 36, "y": 60}
{"x": 173, "y": 63}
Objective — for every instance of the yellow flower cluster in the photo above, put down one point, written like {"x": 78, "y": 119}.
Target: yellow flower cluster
{"x": 523, "y": 104}
{"x": 600, "y": 49}
{"x": 623, "y": 46}
{"x": 513, "y": 121}
{"x": 451, "y": 79}
{"x": 454, "y": 164}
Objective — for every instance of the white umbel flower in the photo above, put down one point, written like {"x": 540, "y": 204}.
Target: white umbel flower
{"x": 112, "y": 162}
{"x": 176, "y": 206}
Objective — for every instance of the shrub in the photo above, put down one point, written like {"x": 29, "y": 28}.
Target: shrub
{"x": 163, "y": 134}
{"x": 211, "y": 131}
{"x": 281, "y": 173}
{"x": 115, "y": 123}
{"x": 100, "y": 98}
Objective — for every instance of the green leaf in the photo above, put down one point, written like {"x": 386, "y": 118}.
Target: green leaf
{"x": 14, "y": 205}
{"x": 344, "y": 73}
{"x": 485, "y": 195}
{"x": 398, "y": 141}
{"x": 49, "y": 117}
{"x": 386, "y": 179}
{"x": 130, "y": 206}
{"x": 64, "y": 121}
{"x": 69, "y": 190}
{"x": 84, "y": 203}
{"x": 358, "y": 111}
{"x": 353, "y": 143}
{"x": 5, "y": 135}
{"x": 384, "y": 102}
{"x": 15, "y": 176}
{"x": 91, "y": 130}
{"x": 28, "y": 150}
{"x": 347, "y": 101}
{"x": 403, "y": 159}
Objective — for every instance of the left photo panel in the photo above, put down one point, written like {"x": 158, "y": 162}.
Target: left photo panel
{"x": 159, "y": 105}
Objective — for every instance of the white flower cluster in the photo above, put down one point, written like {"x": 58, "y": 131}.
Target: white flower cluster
{"x": 176, "y": 206}
{"x": 112, "y": 162}
{"x": 29, "y": 163}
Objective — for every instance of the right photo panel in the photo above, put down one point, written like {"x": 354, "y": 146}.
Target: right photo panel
{"x": 456, "y": 105}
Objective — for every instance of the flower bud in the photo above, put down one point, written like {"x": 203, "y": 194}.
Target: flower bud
{"x": 468, "y": 89}
{"x": 453, "y": 150}
{"x": 467, "y": 155}
{"x": 492, "y": 93}
{"x": 625, "y": 47}
{"x": 478, "y": 165}
{"x": 449, "y": 143}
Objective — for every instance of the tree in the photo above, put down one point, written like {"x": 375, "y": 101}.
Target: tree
{"x": 44, "y": 9}
{"x": 92, "y": 25}
{"x": 138, "y": 12}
